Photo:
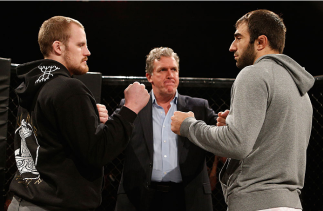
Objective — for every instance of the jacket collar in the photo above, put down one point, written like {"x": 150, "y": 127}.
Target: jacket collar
{"x": 146, "y": 121}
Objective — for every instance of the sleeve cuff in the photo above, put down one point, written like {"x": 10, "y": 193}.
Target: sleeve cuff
{"x": 127, "y": 114}
{"x": 185, "y": 126}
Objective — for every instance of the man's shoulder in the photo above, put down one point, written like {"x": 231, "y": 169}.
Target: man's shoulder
{"x": 66, "y": 82}
{"x": 259, "y": 71}
{"x": 64, "y": 87}
{"x": 192, "y": 101}
{"x": 190, "y": 98}
{"x": 262, "y": 66}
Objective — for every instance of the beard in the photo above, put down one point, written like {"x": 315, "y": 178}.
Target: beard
{"x": 247, "y": 58}
{"x": 75, "y": 68}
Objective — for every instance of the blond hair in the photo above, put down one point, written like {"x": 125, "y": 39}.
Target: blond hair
{"x": 55, "y": 29}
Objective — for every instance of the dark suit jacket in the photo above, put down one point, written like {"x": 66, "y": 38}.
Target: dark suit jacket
{"x": 134, "y": 192}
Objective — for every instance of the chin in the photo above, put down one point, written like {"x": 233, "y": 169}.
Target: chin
{"x": 171, "y": 91}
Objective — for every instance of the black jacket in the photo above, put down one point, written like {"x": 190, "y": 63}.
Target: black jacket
{"x": 136, "y": 176}
{"x": 60, "y": 146}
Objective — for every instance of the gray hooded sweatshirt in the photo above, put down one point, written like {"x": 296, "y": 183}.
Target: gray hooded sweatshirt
{"x": 266, "y": 137}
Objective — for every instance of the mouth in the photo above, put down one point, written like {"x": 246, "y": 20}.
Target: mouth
{"x": 84, "y": 61}
{"x": 169, "y": 82}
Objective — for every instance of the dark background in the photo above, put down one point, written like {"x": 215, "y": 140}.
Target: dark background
{"x": 120, "y": 34}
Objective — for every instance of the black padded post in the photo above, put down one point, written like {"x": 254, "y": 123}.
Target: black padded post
{"x": 93, "y": 80}
{"x": 5, "y": 65}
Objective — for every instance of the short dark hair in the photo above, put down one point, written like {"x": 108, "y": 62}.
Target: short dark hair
{"x": 268, "y": 23}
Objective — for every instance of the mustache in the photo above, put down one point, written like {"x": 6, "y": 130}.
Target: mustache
{"x": 170, "y": 80}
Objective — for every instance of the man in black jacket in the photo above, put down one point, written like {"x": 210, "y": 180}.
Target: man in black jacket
{"x": 60, "y": 144}
{"x": 163, "y": 171}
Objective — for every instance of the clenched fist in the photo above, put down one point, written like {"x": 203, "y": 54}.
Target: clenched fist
{"x": 136, "y": 97}
{"x": 177, "y": 120}
{"x": 103, "y": 113}
{"x": 221, "y": 120}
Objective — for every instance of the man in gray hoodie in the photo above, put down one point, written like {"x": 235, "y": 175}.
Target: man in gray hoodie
{"x": 267, "y": 130}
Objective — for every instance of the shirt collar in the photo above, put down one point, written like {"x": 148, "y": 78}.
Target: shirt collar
{"x": 153, "y": 98}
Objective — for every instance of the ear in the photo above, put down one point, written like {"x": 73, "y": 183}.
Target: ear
{"x": 261, "y": 42}
{"x": 148, "y": 76}
{"x": 58, "y": 47}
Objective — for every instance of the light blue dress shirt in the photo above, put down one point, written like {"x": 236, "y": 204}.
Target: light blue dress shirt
{"x": 165, "y": 160}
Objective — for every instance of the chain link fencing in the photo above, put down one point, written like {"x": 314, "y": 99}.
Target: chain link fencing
{"x": 217, "y": 92}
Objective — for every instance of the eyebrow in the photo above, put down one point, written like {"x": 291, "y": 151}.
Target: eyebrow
{"x": 161, "y": 68}
{"x": 237, "y": 34}
{"x": 82, "y": 42}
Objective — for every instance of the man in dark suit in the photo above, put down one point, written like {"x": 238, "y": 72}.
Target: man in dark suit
{"x": 163, "y": 171}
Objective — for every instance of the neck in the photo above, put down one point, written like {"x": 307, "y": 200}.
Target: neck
{"x": 164, "y": 100}
{"x": 58, "y": 59}
{"x": 264, "y": 52}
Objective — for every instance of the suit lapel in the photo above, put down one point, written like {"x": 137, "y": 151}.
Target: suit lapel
{"x": 181, "y": 106}
{"x": 147, "y": 125}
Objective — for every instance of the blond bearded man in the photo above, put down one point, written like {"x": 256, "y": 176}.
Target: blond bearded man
{"x": 60, "y": 144}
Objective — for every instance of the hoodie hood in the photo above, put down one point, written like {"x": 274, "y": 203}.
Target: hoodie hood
{"x": 34, "y": 75}
{"x": 303, "y": 79}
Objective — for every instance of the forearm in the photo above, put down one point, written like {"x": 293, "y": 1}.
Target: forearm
{"x": 221, "y": 141}
{"x": 116, "y": 135}
{"x": 250, "y": 96}
{"x": 93, "y": 143}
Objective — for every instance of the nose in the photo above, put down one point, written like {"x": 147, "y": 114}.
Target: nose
{"x": 87, "y": 51}
{"x": 170, "y": 73}
{"x": 233, "y": 47}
